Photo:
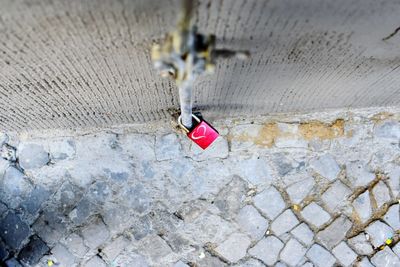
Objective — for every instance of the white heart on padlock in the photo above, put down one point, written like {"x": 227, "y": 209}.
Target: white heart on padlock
{"x": 201, "y": 136}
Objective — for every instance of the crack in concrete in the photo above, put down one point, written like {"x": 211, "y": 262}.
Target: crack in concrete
{"x": 391, "y": 35}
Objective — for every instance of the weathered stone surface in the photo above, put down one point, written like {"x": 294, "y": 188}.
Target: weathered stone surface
{"x": 361, "y": 244}
{"x": 299, "y": 190}
{"x": 33, "y": 251}
{"x": 392, "y": 217}
{"x": 252, "y": 222}
{"x": 267, "y": 250}
{"x": 180, "y": 264}
{"x": 303, "y": 233}
{"x": 112, "y": 250}
{"x": 95, "y": 234}
{"x": 364, "y": 263}
{"x": 335, "y": 232}
{"x": 95, "y": 262}
{"x": 293, "y": 252}
{"x": 344, "y": 254}
{"x": 284, "y": 223}
{"x": 385, "y": 258}
{"x": 270, "y": 202}
{"x": 315, "y": 215}
{"x": 362, "y": 205}
{"x": 15, "y": 185}
{"x": 139, "y": 146}
{"x": 255, "y": 170}
{"x": 388, "y": 130}
{"x": 379, "y": 233}
{"x": 396, "y": 249}
{"x": 154, "y": 248}
{"x": 234, "y": 248}
{"x": 83, "y": 210}
{"x": 326, "y": 166}
{"x": 218, "y": 149}
{"x": 359, "y": 174}
{"x": 50, "y": 227}
{"x": 320, "y": 256}
{"x": 13, "y": 230}
{"x": 230, "y": 198}
{"x": 61, "y": 149}
{"x": 3, "y": 251}
{"x": 394, "y": 181}
{"x": 74, "y": 243}
{"x": 336, "y": 195}
{"x": 132, "y": 259}
{"x": 250, "y": 263}
{"x": 63, "y": 256}
{"x": 32, "y": 156}
{"x": 33, "y": 202}
{"x": 381, "y": 194}
{"x": 13, "y": 263}
{"x": 3, "y": 167}
{"x": 168, "y": 147}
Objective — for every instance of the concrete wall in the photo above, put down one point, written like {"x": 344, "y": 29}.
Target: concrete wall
{"x": 74, "y": 64}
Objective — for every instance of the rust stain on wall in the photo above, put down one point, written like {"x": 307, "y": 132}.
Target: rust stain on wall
{"x": 316, "y": 129}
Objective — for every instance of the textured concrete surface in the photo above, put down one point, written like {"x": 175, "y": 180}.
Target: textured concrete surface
{"x": 83, "y": 63}
{"x": 134, "y": 196}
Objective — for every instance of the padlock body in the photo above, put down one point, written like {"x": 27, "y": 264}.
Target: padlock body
{"x": 203, "y": 134}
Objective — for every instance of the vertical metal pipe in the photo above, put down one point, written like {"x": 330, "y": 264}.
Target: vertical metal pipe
{"x": 185, "y": 98}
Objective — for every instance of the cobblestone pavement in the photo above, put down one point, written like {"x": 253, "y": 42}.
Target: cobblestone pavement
{"x": 313, "y": 190}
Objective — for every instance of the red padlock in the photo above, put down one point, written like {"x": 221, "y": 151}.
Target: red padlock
{"x": 203, "y": 134}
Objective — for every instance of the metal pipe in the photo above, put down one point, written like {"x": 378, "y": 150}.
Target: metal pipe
{"x": 185, "y": 99}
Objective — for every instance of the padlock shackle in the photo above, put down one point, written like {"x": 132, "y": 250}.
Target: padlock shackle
{"x": 183, "y": 126}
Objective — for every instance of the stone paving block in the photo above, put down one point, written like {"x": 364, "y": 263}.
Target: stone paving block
{"x": 284, "y": 164}
{"x": 4, "y": 164}
{"x": 388, "y": 130}
{"x": 280, "y": 264}
{"x": 307, "y": 264}
{"x": 251, "y": 222}
{"x": 284, "y": 223}
{"x": 99, "y": 192}
{"x": 394, "y": 181}
{"x": 35, "y": 199}
{"x": 267, "y": 250}
{"x": 15, "y": 184}
{"x": 270, "y": 202}
{"x": 83, "y": 210}
{"x": 335, "y": 232}
{"x": 344, "y": 254}
{"x": 136, "y": 198}
{"x": 379, "y": 232}
{"x": 95, "y": 234}
{"x": 180, "y": 264}
{"x": 3, "y": 209}
{"x": 320, "y": 256}
{"x": 361, "y": 245}
{"x": 218, "y": 149}
{"x": 132, "y": 259}
{"x": 385, "y": 258}
{"x": 32, "y": 156}
{"x": 61, "y": 149}
{"x": 364, "y": 262}
{"x": 336, "y": 195}
{"x": 3, "y": 251}
{"x": 315, "y": 215}
{"x": 95, "y": 261}
{"x": 168, "y": 147}
{"x": 299, "y": 190}
{"x": 362, "y": 205}
{"x": 50, "y": 227}
{"x": 326, "y": 166}
{"x": 74, "y": 243}
{"x": 154, "y": 248}
{"x": 396, "y": 249}
{"x": 230, "y": 198}
{"x": 33, "y": 251}
{"x": 250, "y": 263}
{"x": 359, "y": 174}
{"x": 13, "y": 263}
{"x": 62, "y": 255}
{"x": 67, "y": 197}
{"x": 13, "y": 230}
{"x": 255, "y": 170}
{"x": 139, "y": 146}
{"x": 234, "y": 248}
{"x": 303, "y": 233}
{"x": 392, "y": 217}
{"x": 293, "y": 252}
{"x": 112, "y": 250}
{"x": 381, "y": 194}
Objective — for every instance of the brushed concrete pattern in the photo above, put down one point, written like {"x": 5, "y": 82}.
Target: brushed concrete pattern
{"x": 80, "y": 63}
